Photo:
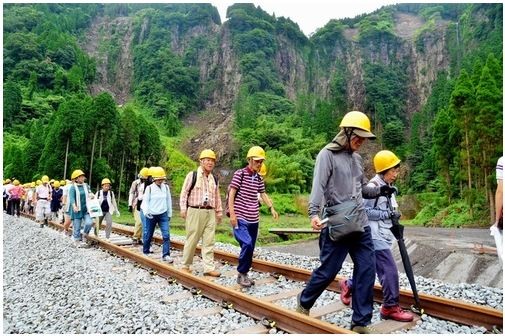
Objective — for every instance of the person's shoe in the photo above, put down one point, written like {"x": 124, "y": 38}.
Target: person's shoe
{"x": 185, "y": 269}
{"x": 345, "y": 292}
{"x": 299, "y": 308}
{"x": 364, "y": 329}
{"x": 243, "y": 280}
{"x": 167, "y": 259}
{"x": 396, "y": 313}
{"x": 214, "y": 273}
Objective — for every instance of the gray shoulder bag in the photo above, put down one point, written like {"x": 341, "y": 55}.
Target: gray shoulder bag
{"x": 343, "y": 218}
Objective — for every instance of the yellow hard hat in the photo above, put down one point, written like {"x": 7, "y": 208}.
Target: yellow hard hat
{"x": 56, "y": 184}
{"x": 360, "y": 122}
{"x": 207, "y": 154}
{"x": 39, "y": 182}
{"x": 157, "y": 173}
{"x": 63, "y": 182}
{"x": 8, "y": 181}
{"x": 105, "y": 181}
{"x": 16, "y": 182}
{"x": 51, "y": 181}
{"x": 32, "y": 185}
{"x": 263, "y": 169}
{"x": 76, "y": 174}
{"x": 256, "y": 153}
{"x": 144, "y": 172}
{"x": 45, "y": 179}
{"x": 385, "y": 160}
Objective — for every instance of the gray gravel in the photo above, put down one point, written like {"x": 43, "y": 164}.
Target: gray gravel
{"x": 51, "y": 287}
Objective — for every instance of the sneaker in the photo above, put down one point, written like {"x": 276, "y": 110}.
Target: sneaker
{"x": 168, "y": 259}
{"x": 185, "y": 269}
{"x": 364, "y": 329}
{"x": 396, "y": 313}
{"x": 214, "y": 273}
{"x": 243, "y": 280}
{"x": 345, "y": 292}
{"x": 299, "y": 308}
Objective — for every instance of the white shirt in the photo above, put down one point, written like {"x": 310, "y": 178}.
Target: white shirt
{"x": 499, "y": 169}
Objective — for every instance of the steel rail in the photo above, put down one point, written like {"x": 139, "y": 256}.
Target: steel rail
{"x": 451, "y": 310}
{"x": 285, "y": 319}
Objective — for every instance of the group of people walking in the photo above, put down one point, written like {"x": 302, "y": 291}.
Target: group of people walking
{"x": 339, "y": 188}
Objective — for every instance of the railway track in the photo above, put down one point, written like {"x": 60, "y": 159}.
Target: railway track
{"x": 270, "y": 310}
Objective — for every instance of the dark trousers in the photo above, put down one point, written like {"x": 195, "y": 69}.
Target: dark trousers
{"x": 14, "y": 205}
{"x": 332, "y": 255}
{"x": 246, "y": 234}
{"x": 387, "y": 272}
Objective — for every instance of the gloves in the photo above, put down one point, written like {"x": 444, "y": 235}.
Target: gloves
{"x": 387, "y": 191}
{"x": 130, "y": 209}
{"x": 395, "y": 215}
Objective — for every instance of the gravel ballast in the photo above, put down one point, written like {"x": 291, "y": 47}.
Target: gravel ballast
{"x": 51, "y": 287}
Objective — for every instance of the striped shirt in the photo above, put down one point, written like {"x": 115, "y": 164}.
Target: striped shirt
{"x": 197, "y": 195}
{"x": 246, "y": 203}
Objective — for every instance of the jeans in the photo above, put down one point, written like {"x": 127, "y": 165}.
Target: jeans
{"x": 88, "y": 224}
{"x": 245, "y": 233}
{"x": 332, "y": 255}
{"x": 164, "y": 223}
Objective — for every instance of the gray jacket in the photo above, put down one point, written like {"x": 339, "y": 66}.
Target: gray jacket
{"x": 338, "y": 176}
{"x": 379, "y": 218}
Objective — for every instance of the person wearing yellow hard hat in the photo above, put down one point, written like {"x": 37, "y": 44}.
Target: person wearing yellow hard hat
{"x": 157, "y": 209}
{"x": 7, "y": 186}
{"x": 42, "y": 201}
{"x": 79, "y": 196}
{"x": 339, "y": 181}
{"x": 243, "y": 209}
{"x": 108, "y": 204}
{"x": 15, "y": 194}
{"x": 202, "y": 209}
{"x": 135, "y": 200}
{"x": 380, "y": 213}
{"x": 30, "y": 190}
{"x": 56, "y": 197}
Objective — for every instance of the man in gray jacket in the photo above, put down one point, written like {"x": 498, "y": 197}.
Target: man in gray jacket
{"x": 339, "y": 177}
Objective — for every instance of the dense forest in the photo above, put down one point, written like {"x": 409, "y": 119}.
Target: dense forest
{"x": 110, "y": 88}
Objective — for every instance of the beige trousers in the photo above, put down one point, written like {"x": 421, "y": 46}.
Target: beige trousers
{"x": 200, "y": 223}
{"x": 137, "y": 230}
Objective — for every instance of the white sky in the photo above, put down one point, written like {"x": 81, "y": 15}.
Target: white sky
{"x": 310, "y": 15}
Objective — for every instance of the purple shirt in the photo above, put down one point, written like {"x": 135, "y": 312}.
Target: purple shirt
{"x": 246, "y": 199}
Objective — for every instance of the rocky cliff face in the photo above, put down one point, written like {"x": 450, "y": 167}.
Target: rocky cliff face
{"x": 220, "y": 75}
{"x": 114, "y": 72}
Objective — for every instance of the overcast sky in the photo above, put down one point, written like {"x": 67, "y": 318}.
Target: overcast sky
{"x": 311, "y": 14}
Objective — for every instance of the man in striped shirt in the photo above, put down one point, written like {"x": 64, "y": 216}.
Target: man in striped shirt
{"x": 244, "y": 210}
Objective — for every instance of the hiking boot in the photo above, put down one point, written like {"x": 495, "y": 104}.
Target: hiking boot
{"x": 396, "y": 313}
{"x": 214, "y": 273}
{"x": 185, "y": 269}
{"x": 345, "y": 292}
{"x": 363, "y": 329}
{"x": 167, "y": 259}
{"x": 299, "y": 308}
{"x": 243, "y": 280}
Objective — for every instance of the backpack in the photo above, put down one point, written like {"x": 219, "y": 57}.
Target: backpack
{"x": 226, "y": 207}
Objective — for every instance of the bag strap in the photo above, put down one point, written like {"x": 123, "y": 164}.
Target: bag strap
{"x": 377, "y": 198}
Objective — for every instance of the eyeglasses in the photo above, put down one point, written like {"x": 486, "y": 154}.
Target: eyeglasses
{"x": 258, "y": 161}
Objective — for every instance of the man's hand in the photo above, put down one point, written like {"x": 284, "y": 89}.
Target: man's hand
{"x": 275, "y": 215}
{"x": 233, "y": 221}
{"x": 219, "y": 219}
{"x": 315, "y": 222}
{"x": 183, "y": 214}
{"x": 395, "y": 215}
